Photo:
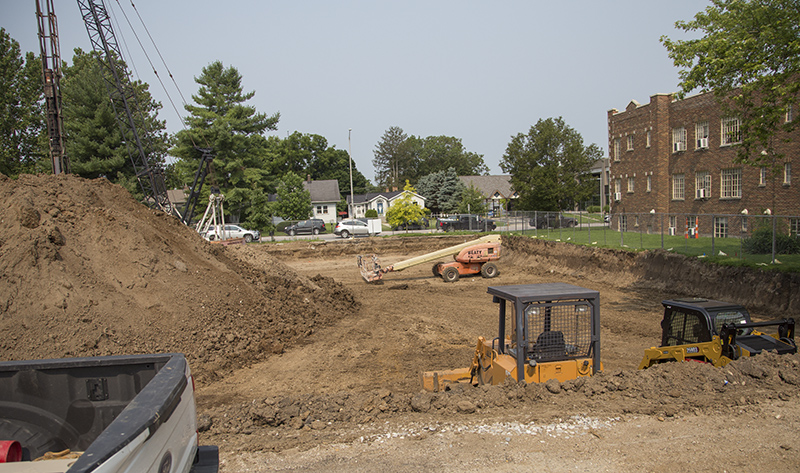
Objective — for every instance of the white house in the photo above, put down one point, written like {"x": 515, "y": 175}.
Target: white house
{"x": 380, "y": 202}
{"x": 324, "y": 197}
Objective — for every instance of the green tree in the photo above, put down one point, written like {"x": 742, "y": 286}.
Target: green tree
{"x": 391, "y": 159}
{"x": 94, "y": 142}
{"x": 22, "y": 132}
{"x": 234, "y": 132}
{"x": 749, "y": 56}
{"x": 440, "y": 153}
{"x": 442, "y": 191}
{"x": 404, "y": 209}
{"x": 472, "y": 201}
{"x": 310, "y": 155}
{"x": 294, "y": 201}
{"x": 550, "y": 166}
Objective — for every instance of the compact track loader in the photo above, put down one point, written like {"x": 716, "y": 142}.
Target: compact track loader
{"x": 473, "y": 257}
{"x": 715, "y": 332}
{"x": 553, "y": 332}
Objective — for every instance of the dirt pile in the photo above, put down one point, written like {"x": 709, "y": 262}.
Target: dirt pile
{"x": 86, "y": 270}
{"x": 665, "y": 391}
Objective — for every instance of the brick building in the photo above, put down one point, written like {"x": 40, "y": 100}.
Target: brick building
{"x": 675, "y": 159}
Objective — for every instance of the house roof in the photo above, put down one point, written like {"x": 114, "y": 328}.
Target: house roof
{"x": 361, "y": 198}
{"x": 490, "y": 185}
{"x": 323, "y": 191}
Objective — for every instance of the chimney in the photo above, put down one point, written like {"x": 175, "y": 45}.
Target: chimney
{"x": 308, "y": 178}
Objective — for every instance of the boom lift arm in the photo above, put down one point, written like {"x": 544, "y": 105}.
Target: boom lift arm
{"x": 371, "y": 269}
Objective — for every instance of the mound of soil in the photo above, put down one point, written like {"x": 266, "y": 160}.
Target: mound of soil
{"x": 303, "y": 365}
{"x": 87, "y": 270}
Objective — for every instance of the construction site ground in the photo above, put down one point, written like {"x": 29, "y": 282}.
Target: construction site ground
{"x": 302, "y": 365}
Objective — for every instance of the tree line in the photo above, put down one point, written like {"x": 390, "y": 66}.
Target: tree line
{"x": 549, "y": 164}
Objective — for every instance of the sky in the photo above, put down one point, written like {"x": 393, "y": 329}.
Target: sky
{"x": 481, "y": 71}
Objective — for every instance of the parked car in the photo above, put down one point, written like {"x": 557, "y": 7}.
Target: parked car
{"x": 312, "y": 226}
{"x": 231, "y": 231}
{"x": 466, "y": 222}
{"x": 420, "y": 224}
{"x": 552, "y": 220}
{"x": 354, "y": 227}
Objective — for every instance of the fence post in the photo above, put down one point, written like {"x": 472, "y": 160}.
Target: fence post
{"x": 713, "y": 233}
{"x": 774, "y": 229}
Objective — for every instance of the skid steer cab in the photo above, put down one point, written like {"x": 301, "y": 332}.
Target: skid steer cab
{"x": 716, "y": 332}
{"x": 551, "y": 332}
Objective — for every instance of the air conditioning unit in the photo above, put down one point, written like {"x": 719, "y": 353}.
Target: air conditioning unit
{"x": 678, "y": 146}
{"x": 702, "y": 143}
{"x": 671, "y": 231}
{"x": 617, "y": 196}
{"x": 701, "y": 194}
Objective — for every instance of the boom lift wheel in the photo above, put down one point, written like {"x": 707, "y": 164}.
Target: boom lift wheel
{"x": 489, "y": 270}
{"x": 436, "y": 272}
{"x": 450, "y": 274}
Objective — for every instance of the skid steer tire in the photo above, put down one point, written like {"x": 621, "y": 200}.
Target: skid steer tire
{"x": 450, "y": 274}
{"x": 435, "y": 269}
{"x": 489, "y": 270}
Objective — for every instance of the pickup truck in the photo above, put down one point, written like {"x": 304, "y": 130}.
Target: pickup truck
{"x": 465, "y": 222}
{"x": 132, "y": 413}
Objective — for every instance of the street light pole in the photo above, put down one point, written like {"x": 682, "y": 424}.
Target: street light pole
{"x": 350, "y": 155}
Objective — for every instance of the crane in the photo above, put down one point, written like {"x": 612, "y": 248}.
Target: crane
{"x": 51, "y": 77}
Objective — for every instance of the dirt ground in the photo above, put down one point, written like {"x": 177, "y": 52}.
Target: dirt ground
{"x": 301, "y": 365}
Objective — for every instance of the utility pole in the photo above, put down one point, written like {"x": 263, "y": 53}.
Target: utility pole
{"x": 350, "y": 155}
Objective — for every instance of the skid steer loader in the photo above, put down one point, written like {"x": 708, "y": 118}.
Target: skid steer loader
{"x": 473, "y": 257}
{"x": 715, "y": 332}
{"x": 554, "y": 333}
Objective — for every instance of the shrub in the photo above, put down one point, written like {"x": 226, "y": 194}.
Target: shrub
{"x": 371, "y": 213}
{"x": 760, "y": 243}
{"x": 593, "y": 209}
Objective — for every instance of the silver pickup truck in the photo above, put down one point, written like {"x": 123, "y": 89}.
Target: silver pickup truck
{"x": 116, "y": 414}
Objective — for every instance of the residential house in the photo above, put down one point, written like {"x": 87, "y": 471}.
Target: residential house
{"x": 497, "y": 191}
{"x": 324, "y": 197}
{"x": 380, "y": 202}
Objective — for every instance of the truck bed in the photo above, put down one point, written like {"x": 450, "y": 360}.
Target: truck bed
{"x": 118, "y": 410}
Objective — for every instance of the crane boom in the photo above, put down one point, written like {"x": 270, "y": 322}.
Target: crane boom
{"x": 51, "y": 78}
{"x": 123, "y": 99}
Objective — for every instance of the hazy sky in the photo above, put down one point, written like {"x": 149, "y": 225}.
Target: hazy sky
{"x": 478, "y": 70}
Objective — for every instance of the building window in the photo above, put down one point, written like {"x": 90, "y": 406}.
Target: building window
{"x": 380, "y": 208}
{"x": 762, "y": 177}
{"x": 617, "y": 189}
{"x": 673, "y": 221}
{"x": 630, "y": 185}
{"x": 630, "y": 142}
{"x": 720, "y": 227}
{"x": 701, "y": 135}
{"x": 322, "y": 209}
{"x": 702, "y": 185}
{"x": 678, "y": 139}
{"x": 677, "y": 187}
{"x": 731, "y": 186}
{"x": 649, "y": 183}
{"x": 744, "y": 224}
{"x": 616, "y": 149}
{"x": 623, "y": 223}
{"x": 731, "y": 134}
{"x": 794, "y": 226}
{"x": 787, "y": 174}
{"x": 648, "y": 139}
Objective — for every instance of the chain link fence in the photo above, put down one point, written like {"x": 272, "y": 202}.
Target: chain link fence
{"x": 758, "y": 238}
